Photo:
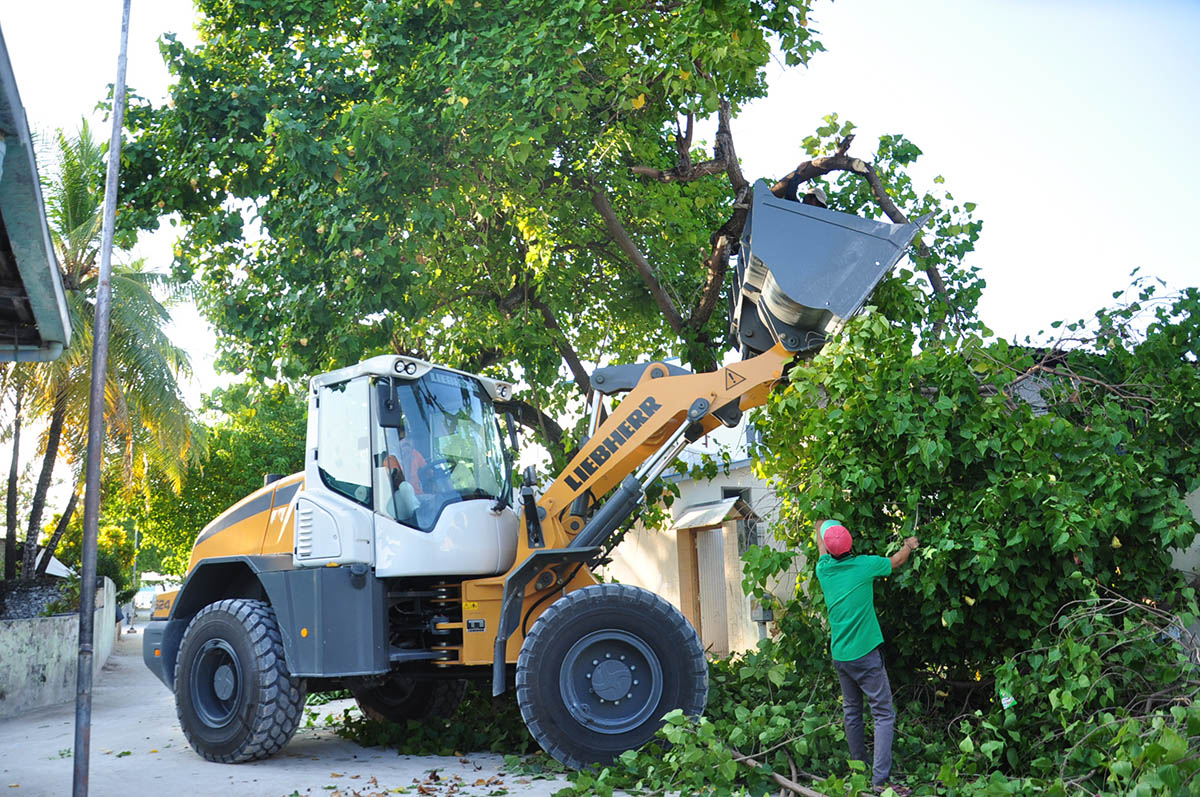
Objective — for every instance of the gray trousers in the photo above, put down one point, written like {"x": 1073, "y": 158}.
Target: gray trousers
{"x": 867, "y": 676}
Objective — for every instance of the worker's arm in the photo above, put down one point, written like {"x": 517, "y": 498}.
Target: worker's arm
{"x": 821, "y": 550}
{"x": 900, "y": 557}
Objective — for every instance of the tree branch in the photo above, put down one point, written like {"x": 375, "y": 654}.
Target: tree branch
{"x": 723, "y": 240}
{"x": 531, "y": 417}
{"x": 682, "y": 173}
{"x": 563, "y": 344}
{"x": 618, "y": 233}
{"x": 897, "y": 216}
{"x": 523, "y": 292}
{"x": 59, "y": 530}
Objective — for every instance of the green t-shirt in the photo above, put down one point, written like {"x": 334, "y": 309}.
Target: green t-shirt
{"x": 850, "y": 600}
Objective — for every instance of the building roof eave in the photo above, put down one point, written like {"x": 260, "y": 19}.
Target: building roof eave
{"x": 35, "y": 323}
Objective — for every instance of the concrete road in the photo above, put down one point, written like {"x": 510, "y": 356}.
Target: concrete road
{"x": 138, "y": 749}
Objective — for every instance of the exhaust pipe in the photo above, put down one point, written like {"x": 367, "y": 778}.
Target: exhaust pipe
{"x": 803, "y": 270}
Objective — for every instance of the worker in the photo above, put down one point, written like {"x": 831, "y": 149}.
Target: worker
{"x": 404, "y": 462}
{"x": 847, "y": 582}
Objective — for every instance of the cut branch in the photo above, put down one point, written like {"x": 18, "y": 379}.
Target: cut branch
{"x": 780, "y": 780}
{"x": 618, "y": 233}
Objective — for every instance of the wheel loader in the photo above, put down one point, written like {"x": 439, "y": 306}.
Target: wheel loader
{"x": 400, "y": 562}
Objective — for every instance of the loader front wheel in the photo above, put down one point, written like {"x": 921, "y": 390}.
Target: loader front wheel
{"x": 235, "y": 699}
{"x": 601, "y": 667}
{"x": 401, "y": 698}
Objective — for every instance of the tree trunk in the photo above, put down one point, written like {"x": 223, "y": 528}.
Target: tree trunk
{"x": 43, "y": 486}
{"x": 10, "y": 507}
{"x": 52, "y": 545}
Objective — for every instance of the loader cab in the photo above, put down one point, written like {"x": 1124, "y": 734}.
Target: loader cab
{"x": 437, "y": 443}
{"x": 406, "y": 471}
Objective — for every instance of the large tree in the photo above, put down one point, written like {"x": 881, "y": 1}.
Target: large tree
{"x": 147, "y": 422}
{"x": 514, "y": 187}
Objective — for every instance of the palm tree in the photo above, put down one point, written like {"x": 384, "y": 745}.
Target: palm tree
{"x": 147, "y": 422}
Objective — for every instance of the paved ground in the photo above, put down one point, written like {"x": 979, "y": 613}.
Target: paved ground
{"x": 138, "y": 749}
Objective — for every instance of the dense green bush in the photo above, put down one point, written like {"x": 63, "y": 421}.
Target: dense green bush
{"x": 1035, "y": 640}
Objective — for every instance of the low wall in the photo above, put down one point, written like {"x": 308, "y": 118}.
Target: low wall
{"x": 39, "y": 656}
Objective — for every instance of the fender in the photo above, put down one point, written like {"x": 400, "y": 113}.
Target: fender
{"x": 332, "y": 619}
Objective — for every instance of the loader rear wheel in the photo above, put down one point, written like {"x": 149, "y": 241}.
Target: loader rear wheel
{"x": 601, "y": 667}
{"x": 235, "y": 699}
{"x": 401, "y": 698}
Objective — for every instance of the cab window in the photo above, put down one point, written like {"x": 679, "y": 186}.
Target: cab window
{"x": 343, "y": 440}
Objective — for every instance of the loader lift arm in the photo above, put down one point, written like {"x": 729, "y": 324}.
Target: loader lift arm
{"x": 663, "y": 411}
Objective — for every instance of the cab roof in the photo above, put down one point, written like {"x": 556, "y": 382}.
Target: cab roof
{"x": 409, "y": 369}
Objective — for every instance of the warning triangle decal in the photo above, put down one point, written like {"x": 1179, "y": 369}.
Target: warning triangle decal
{"x": 732, "y": 379}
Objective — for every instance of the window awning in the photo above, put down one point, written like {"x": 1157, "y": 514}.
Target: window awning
{"x": 713, "y": 513}
{"x": 34, "y": 322}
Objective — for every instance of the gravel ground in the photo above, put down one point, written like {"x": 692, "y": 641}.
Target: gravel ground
{"x": 27, "y": 600}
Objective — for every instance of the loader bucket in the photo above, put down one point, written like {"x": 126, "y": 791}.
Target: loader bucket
{"x": 803, "y": 270}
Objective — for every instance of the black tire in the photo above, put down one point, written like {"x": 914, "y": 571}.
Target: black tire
{"x": 401, "y": 698}
{"x": 645, "y": 652}
{"x": 235, "y": 699}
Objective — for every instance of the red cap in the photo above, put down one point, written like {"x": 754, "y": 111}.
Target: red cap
{"x": 837, "y": 539}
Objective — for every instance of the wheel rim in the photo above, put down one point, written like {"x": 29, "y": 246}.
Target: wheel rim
{"x": 610, "y": 681}
{"x": 216, "y": 683}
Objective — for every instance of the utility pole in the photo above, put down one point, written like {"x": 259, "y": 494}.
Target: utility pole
{"x": 95, "y": 445}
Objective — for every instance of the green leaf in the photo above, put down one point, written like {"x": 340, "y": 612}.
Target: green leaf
{"x": 1174, "y": 746}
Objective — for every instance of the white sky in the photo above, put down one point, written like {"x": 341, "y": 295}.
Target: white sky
{"x": 1070, "y": 124}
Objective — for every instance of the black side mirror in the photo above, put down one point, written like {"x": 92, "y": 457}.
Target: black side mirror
{"x": 387, "y": 408}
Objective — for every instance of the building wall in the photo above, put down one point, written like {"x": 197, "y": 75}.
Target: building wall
{"x": 1188, "y": 559}
{"x": 39, "y": 656}
{"x": 652, "y": 558}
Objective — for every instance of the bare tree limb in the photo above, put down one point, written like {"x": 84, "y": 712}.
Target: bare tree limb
{"x": 716, "y": 265}
{"x": 626, "y": 244}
